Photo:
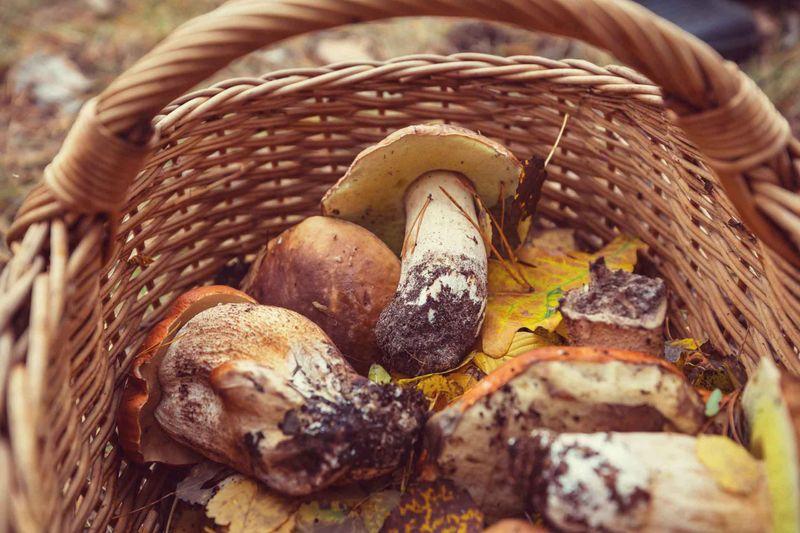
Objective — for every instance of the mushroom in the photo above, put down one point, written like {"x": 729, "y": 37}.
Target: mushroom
{"x": 264, "y": 390}
{"x": 416, "y": 190}
{"x": 140, "y": 436}
{"x": 566, "y": 389}
{"x": 617, "y": 310}
{"x": 771, "y": 402}
{"x": 333, "y": 272}
{"x": 651, "y": 482}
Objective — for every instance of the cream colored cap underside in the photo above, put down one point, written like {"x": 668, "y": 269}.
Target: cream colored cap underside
{"x": 371, "y": 192}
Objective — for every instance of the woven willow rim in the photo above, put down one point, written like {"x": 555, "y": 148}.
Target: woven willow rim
{"x": 221, "y": 169}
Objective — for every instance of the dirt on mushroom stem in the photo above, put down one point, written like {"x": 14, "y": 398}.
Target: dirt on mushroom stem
{"x": 369, "y": 428}
{"x": 437, "y": 311}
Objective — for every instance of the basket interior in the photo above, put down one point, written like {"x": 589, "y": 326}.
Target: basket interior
{"x": 229, "y": 173}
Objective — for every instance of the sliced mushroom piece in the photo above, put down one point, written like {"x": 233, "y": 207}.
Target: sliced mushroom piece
{"x": 416, "y": 190}
{"x": 334, "y": 272}
{"x": 651, "y": 482}
{"x": 566, "y": 389}
{"x": 140, "y": 436}
{"x": 771, "y": 402}
{"x": 617, "y": 309}
{"x": 265, "y": 391}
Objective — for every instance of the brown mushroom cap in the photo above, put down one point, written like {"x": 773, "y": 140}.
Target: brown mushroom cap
{"x": 579, "y": 389}
{"x": 333, "y": 272}
{"x": 140, "y": 435}
{"x": 371, "y": 193}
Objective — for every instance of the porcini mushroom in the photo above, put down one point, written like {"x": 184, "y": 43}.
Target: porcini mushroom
{"x": 771, "y": 402}
{"x": 140, "y": 436}
{"x": 265, "y": 391}
{"x": 651, "y": 482}
{"x": 617, "y": 309}
{"x": 334, "y": 272}
{"x": 566, "y": 389}
{"x": 416, "y": 190}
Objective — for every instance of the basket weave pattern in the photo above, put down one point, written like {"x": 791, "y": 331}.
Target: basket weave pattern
{"x": 122, "y": 228}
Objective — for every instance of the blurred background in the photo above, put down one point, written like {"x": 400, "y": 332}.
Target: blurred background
{"x": 54, "y": 54}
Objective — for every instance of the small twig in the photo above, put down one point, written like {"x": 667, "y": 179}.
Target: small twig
{"x": 558, "y": 140}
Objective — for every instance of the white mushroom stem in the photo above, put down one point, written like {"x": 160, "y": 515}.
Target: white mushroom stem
{"x": 437, "y": 311}
{"x": 441, "y": 219}
{"x": 651, "y": 482}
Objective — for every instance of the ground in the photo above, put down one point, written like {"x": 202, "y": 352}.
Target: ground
{"x": 54, "y": 54}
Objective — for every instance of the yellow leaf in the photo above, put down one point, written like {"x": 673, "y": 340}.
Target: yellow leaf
{"x": 731, "y": 466}
{"x": 688, "y": 344}
{"x": 512, "y": 307}
{"x": 441, "y": 389}
{"x": 407, "y": 381}
{"x": 245, "y": 506}
{"x": 523, "y": 341}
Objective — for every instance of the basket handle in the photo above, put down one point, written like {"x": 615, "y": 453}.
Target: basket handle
{"x": 740, "y": 132}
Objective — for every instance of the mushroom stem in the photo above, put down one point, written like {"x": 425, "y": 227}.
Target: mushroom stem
{"x": 437, "y": 311}
{"x": 641, "y": 482}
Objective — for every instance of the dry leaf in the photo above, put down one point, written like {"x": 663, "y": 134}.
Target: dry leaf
{"x": 188, "y": 519}
{"x": 511, "y": 307}
{"x": 377, "y": 508}
{"x": 441, "y": 388}
{"x": 245, "y": 506}
{"x": 347, "y": 509}
{"x": 330, "y": 511}
{"x": 731, "y": 466}
{"x": 675, "y": 348}
{"x": 202, "y": 482}
{"x": 523, "y": 341}
{"x": 706, "y": 367}
{"x": 434, "y": 507}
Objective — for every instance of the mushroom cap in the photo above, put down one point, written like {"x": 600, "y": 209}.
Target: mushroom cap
{"x": 140, "y": 436}
{"x": 771, "y": 402}
{"x": 333, "y": 272}
{"x": 371, "y": 193}
{"x": 580, "y": 389}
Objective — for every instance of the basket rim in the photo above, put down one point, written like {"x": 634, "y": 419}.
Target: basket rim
{"x": 609, "y": 80}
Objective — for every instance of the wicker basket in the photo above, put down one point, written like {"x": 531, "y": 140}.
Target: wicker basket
{"x": 148, "y": 198}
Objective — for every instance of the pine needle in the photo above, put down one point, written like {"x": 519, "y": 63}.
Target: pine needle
{"x": 416, "y": 225}
{"x": 558, "y": 140}
{"x": 491, "y": 245}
